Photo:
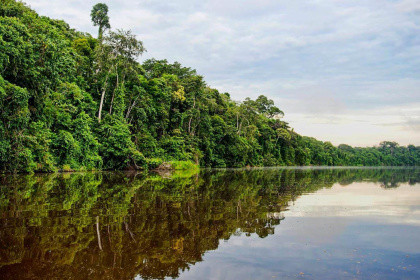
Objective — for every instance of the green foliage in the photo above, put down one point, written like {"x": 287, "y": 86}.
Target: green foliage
{"x": 117, "y": 149}
{"x": 183, "y": 165}
{"x": 69, "y": 100}
{"x": 153, "y": 163}
{"x": 99, "y": 16}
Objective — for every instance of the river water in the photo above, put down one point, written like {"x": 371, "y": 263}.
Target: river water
{"x": 268, "y": 223}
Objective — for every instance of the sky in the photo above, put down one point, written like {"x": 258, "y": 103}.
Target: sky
{"x": 342, "y": 71}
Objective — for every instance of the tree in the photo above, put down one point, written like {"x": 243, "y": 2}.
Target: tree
{"x": 99, "y": 16}
{"x": 116, "y": 56}
{"x": 388, "y": 145}
{"x": 266, "y": 106}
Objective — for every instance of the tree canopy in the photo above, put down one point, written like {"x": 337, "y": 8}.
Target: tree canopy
{"x": 70, "y": 101}
{"x": 99, "y": 16}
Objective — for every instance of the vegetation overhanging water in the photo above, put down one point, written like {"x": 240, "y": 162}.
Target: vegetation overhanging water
{"x": 70, "y": 101}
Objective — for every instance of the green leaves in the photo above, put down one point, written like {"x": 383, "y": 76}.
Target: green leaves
{"x": 16, "y": 53}
{"x": 99, "y": 16}
{"x": 116, "y": 147}
{"x": 69, "y": 101}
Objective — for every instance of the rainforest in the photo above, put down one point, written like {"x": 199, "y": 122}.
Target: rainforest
{"x": 73, "y": 101}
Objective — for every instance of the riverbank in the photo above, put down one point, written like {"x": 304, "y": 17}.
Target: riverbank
{"x": 84, "y": 103}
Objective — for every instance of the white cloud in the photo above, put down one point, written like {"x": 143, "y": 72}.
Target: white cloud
{"x": 314, "y": 58}
{"x": 408, "y": 6}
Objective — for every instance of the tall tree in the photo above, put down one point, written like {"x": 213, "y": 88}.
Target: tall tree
{"x": 99, "y": 16}
{"x": 116, "y": 55}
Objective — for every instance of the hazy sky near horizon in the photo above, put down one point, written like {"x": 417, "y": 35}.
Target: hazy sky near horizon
{"x": 342, "y": 71}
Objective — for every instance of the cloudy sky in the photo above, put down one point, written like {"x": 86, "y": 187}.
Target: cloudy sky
{"x": 343, "y": 71}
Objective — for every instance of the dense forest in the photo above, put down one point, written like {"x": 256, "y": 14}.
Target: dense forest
{"x": 70, "y": 101}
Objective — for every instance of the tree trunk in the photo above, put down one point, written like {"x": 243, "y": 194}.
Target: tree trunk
{"x": 103, "y": 97}
{"x": 189, "y": 126}
{"x": 113, "y": 94}
{"x": 189, "y": 122}
{"x": 131, "y": 107}
{"x": 237, "y": 121}
{"x": 98, "y": 233}
{"x": 239, "y": 129}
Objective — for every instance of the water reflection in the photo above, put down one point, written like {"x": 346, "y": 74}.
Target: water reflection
{"x": 122, "y": 226}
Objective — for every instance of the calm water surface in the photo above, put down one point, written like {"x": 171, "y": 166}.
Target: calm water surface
{"x": 219, "y": 224}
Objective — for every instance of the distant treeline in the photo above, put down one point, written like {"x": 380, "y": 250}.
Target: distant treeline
{"x": 69, "y": 101}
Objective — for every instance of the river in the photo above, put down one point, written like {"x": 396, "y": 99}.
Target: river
{"x": 263, "y": 223}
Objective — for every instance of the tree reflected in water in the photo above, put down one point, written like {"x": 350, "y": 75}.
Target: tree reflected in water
{"x": 123, "y": 225}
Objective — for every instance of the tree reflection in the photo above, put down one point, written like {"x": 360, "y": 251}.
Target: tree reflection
{"x": 120, "y": 225}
